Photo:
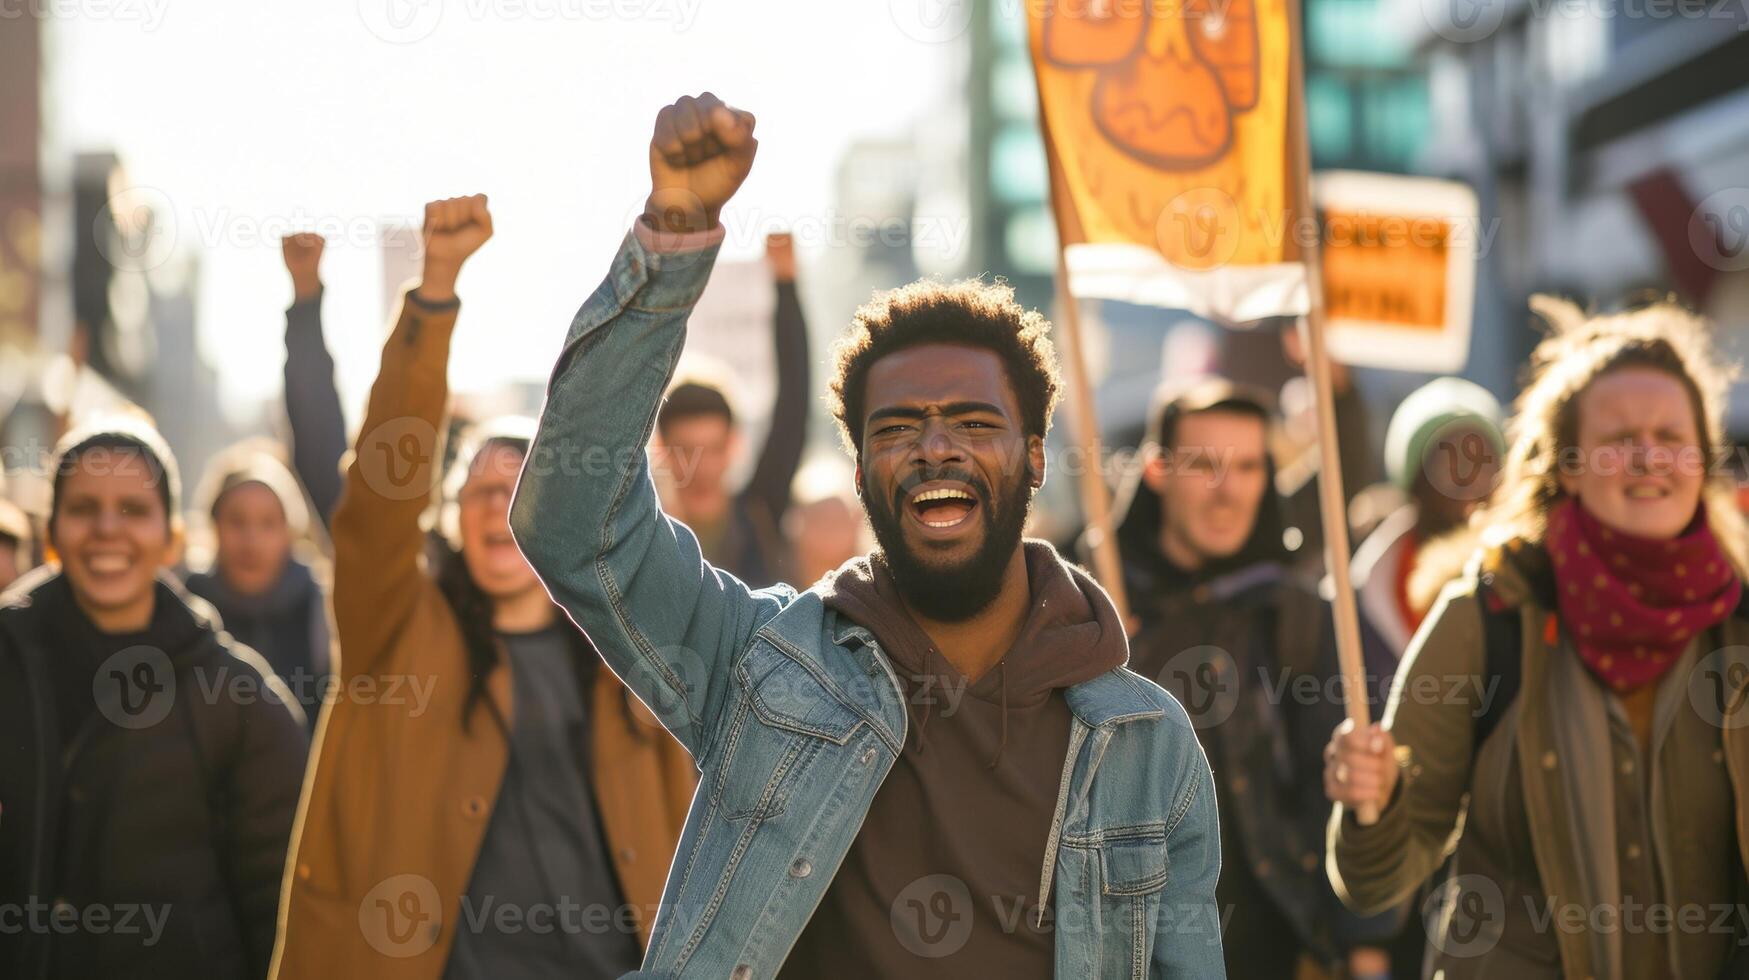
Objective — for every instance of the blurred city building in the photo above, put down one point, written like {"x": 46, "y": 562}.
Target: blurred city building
{"x": 1608, "y": 143}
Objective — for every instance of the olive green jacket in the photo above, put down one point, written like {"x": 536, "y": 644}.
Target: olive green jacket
{"x": 1574, "y": 857}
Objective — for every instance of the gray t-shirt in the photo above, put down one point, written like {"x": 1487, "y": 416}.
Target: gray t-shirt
{"x": 543, "y": 900}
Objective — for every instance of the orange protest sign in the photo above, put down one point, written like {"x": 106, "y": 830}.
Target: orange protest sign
{"x": 1399, "y": 260}
{"x": 1166, "y": 123}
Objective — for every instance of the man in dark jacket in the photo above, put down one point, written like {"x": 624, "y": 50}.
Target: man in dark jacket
{"x": 312, "y": 402}
{"x": 149, "y": 768}
{"x": 1250, "y": 652}
{"x": 742, "y": 533}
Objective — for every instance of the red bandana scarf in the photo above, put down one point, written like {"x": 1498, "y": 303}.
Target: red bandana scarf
{"x": 1632, "y": 604}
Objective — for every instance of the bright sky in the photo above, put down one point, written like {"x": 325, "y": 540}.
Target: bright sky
{"x": 247, "y": 119}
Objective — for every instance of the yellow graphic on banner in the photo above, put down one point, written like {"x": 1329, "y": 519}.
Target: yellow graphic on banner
{"x": 1168, "y": 121}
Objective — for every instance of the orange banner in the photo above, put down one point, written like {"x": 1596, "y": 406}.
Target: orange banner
{"x": 1166, "y": 123}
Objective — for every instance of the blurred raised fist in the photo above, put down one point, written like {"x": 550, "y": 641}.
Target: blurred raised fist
{"x": 455, "y": 228}
{"x": 780, "y": 252}
{"x": 303, "y": 258}
{"x": 699, "y": 155}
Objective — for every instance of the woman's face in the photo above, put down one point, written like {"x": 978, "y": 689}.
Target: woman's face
{"x": 254, "y": 540}
{"x": 1640, "y": 469}
{"x": 112, "y": 535}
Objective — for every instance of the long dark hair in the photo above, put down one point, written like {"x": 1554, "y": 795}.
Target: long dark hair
{"x": 470, "y": 603}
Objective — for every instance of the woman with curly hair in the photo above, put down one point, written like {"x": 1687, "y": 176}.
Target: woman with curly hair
{"x": 1572, "y": 711}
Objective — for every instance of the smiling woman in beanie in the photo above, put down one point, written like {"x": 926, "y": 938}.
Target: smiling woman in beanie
{"x": 149, "y": 768}
{"x": 1573, "y": 710}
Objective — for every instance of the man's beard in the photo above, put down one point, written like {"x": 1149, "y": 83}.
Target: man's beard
{"x": 954, "y": 592}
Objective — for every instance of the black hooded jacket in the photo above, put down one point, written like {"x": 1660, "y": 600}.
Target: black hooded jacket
{"x": 1233, "y": 641}
{"x": 148, "y": 785}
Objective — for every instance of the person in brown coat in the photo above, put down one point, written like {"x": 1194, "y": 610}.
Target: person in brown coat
{"x": 486, "y": 799}
{"x": 1582, "y": 685}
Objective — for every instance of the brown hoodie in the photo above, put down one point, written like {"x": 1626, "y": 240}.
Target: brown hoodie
{"x": 943, "y": 878}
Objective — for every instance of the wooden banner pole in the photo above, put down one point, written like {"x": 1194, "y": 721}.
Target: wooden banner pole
{"x": 1331, "y": 501}
{"x": 1095, "y": 495}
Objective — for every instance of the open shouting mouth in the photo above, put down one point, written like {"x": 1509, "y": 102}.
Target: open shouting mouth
{"x": 942, "y": 509}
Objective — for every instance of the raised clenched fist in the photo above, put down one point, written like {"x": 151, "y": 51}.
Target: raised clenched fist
{"x": 455, "y": 228}
{"x": 700, "y": 153}
{"x": 780, "y": 252}
{"x": 303, "y": 259}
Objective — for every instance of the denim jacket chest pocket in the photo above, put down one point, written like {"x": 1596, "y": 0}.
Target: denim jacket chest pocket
{"x": 785, "y": 718}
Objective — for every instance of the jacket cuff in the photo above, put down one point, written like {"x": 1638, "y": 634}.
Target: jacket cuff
{"x": 646, "y": 276}
{"x": 428, "y": 306}
{"x": 670, "y": 243}
{"x": 1365, "y": 853}
{"x": 305, "y": 311}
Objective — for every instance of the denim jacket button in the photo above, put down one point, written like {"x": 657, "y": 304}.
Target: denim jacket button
{"x": 741, "y": 972}
{"x": 800, "y": 868}
{"x": 868, "y": 755}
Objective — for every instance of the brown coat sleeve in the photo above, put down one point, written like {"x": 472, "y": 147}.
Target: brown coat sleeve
{"x": 1435, "y": 701}
{"x": 377, "y": 537}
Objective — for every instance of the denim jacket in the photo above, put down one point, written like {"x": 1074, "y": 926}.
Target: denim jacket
{"x": 794, "y": 714}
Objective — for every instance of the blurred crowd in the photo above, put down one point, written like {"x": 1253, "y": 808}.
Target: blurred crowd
{"x": 358, "y": 604}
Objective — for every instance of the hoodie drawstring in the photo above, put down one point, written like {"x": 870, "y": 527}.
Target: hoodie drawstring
{"x": 1002, "y": 677}
{"x": 928, "y": 703}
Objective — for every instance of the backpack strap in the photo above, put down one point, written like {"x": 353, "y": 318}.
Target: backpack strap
{"x": 1503, "y": 646}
